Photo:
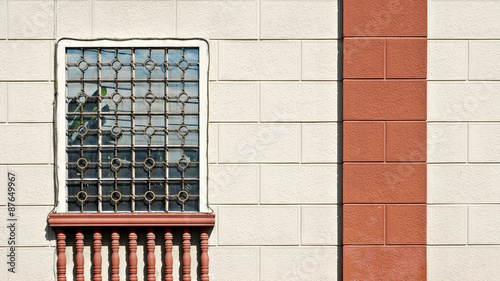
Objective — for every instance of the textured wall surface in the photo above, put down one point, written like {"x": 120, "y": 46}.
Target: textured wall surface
{"x": 273, "y": 125}
{"x": 463, "y": 140}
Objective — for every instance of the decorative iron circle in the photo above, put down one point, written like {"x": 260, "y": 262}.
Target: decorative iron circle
{"x": 116, "y": 97}
{"x": 82, "y": 163}
{"x": 183, "y": 64}
{"x": 149, "y": 64}
{"x": 116, "y": 196}
{"x": 82, "y": 97}
{"x": 183, "y": 130}
{"x": 116, "y": 64}
{"x": 183, "y": 196}
{"x": 82, "y": 64}
{"x": 82, "y": 130}
{"x": 149, "y": 97}
{"x": 149, "y": 130}
{"x": 116, "y": 130}
{"x": 116, "y": 163}
{"x": 183, "y": 97}
{"x": 183, "y": 163}
{"x": 149, "y": 163}
{"x": 82, "y": 196}
{"x": 149, "y": 196}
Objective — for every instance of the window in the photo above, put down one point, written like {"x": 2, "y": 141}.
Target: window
{"x": 132, "y": 125}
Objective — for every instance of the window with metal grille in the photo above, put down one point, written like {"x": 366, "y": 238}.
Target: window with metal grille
{"x": 133, "y": 115}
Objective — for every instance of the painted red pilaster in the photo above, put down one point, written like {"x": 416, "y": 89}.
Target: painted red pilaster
{"x": 384, "y": 139}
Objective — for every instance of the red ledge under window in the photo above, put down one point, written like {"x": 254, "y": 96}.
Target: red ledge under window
{"x": 131, "y": 220}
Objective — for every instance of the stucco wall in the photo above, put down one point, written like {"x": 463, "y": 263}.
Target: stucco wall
{"x": 272, "y": 134}
{"x": 463, "y": 140}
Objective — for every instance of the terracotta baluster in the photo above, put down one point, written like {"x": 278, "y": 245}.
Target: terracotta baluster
{"x": 115, "y": 259}
{"x": 97, "y": 263}
{"x": 61, "y": 255}
{"x": 151, "y": 255}
{"x": 169, "y": 260}
{"x": 79, "y": 261}
{"x": 204, "y": 254}
{"x": 186, "y": 257}
{"x": 132, "y": 260}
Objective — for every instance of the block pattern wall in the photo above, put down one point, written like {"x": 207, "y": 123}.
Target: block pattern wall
{"x": 273, "y": 173}
{"x": 273, "y": 132}
{"x": 26, "y": 96}
{"x": 384, "y": 139}
{"x": 463, "y": 140}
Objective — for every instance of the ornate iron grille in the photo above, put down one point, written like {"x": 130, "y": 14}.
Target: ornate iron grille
{"x": 132, "y": 129}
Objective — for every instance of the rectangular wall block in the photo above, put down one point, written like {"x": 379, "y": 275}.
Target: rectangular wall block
{"x": 446, "y": 142}
{"x": 234, "y": 263}
{"x": 484, "y": 223}
{"x": 160, "y": 17}
{"x": 463, "y": 183}
{"x": 447, "y": 224}
{"x": 234, "y": 102}
{"x": 384, "y": 183}
{"x": 299, "y": 263}
{"x": 27, "y": 144}
{"x": 294, "y": 102}
{"x": 31, "y": 102}
{"x": 463, "y": 101}
{"x": 203, "y": 18}
{"x": 447, "y": 59}
{"x": 384, "y": 100}
{"x": 25, "y": 60}
{"x": 385, "y": 263}
{"x": 463, "y": 263}
{"x": 259, "y": 143}
{"x": 234, "y": 184}
{"x": 259, "y": 225}
{"x": 383, "y": 18}
{"x": 259, "y": 60}
{"x": 483, "y": 142}
{"x": 298, "y": 19}
{"x": 464, "y": 19}
{"x": 295, "y": 183}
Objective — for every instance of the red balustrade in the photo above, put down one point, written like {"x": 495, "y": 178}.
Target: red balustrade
{"x": 151, "y": 223}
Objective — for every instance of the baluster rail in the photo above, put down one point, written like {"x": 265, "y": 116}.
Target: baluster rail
{"x": 131, "y": 224}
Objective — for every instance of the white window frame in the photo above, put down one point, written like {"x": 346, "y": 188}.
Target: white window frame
{"x": 65, "y": 43}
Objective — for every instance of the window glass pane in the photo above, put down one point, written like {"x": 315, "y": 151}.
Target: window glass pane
{"x": 132, "y": 129}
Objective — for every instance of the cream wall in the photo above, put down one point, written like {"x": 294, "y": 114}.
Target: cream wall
{"x": 463, "y": 140}
{"x": 273, "y": 125}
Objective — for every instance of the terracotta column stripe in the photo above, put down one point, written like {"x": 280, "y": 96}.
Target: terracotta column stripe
{"x": 384, "y": 139}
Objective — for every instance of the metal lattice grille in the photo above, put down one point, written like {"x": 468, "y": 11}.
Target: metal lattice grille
{"x": 132, "y": 129}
